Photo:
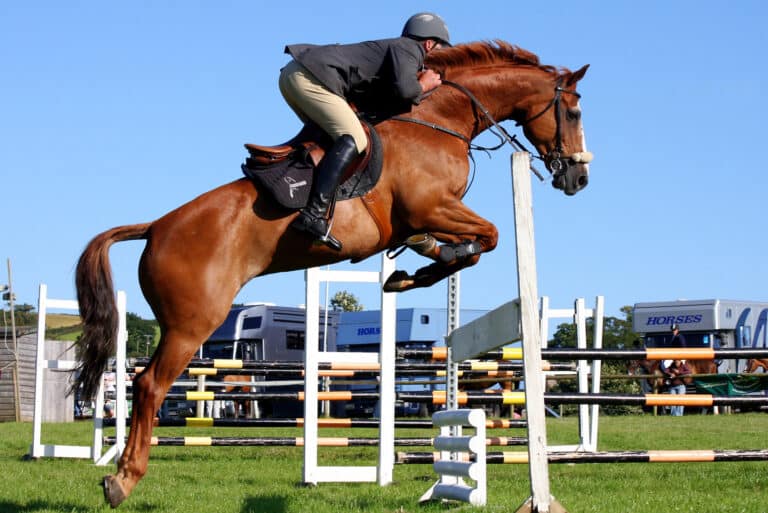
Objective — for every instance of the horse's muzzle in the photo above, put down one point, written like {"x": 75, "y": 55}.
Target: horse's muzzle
{"x": 573, "y": 173}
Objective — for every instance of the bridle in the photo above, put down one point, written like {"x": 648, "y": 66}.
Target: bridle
{"x": 555, "y": 162}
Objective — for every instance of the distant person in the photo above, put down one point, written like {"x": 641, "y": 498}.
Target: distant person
{"x": 722, "y": 365}
{"x": 678, "y": 339}
{"x": 675, "y": 374}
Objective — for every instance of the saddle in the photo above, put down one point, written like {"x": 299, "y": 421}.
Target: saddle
{"x": 287, "y": 170}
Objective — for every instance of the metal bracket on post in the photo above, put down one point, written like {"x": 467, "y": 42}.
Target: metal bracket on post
{"x": 452, "y": 368}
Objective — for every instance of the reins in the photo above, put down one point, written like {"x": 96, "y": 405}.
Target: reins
{"x": 553, "y": 160}
{"x": 495, "y": 128}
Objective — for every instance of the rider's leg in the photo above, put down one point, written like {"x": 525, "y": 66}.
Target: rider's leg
{"x": 311, "y": 100}
{"x": 314, "y": 217}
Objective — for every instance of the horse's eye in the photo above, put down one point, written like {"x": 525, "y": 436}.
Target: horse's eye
{"x": 573, "y": 114}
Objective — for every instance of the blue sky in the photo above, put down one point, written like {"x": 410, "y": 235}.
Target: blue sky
{"x": 116, "y": 112}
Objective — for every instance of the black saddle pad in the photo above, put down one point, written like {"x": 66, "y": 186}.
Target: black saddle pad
{"x": 290, "y": 181}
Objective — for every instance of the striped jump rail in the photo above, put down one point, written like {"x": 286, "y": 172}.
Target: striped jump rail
{"x": 210, "y": 441}
{"x": 207, "y": 422}
{"x": 438, "y": 397}
{"x": 218, "y": 366}
{"x": 438, "y": 371}
{"x": 652, "y": 353}
{"x": 663, "y": 456}
{"x": 518, "y": 398}
{"x": 441, "y": 354}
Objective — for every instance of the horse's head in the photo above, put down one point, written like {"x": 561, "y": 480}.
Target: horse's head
{"x": 553, "y": 124}
{"x": 757, "y": 363}
{"x": 504, "y": 81}
{"x": 649, "y": 369}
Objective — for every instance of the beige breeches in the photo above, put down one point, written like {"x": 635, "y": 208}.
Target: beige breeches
{"x": 311, "y": 101}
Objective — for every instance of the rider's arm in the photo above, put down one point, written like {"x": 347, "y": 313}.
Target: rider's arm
{"x": 407, "y": 72}
{"x": 429, "y": 80}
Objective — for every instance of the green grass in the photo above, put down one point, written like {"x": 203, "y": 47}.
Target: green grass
{"x": 266, "y": 480}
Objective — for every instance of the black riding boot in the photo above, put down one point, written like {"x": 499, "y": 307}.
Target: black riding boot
{"x": 314, "y": 217}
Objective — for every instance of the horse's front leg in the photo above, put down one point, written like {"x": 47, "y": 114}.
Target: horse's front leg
{"x": 465, "y": 236}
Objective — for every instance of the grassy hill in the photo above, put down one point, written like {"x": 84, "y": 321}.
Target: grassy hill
{"x": 63, "y": 326}
{"x": 61, "y": 320}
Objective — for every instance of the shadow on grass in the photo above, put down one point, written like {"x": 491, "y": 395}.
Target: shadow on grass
{"x": 263, "y": 504}
{"x": 31, "y": 507}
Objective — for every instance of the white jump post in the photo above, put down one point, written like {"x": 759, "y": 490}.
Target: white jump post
{"x": 541, "y": 500}
{"x": 385, "y": 358}
{"x": 94, "y": 451}
{"x": 588, "y": 414}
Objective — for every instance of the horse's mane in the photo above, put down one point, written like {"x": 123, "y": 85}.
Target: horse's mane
{"x": 485, "y": 53}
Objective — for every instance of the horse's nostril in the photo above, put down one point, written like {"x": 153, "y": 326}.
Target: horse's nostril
{"x": 582, "y": 181}
{"x": 558, "y": 182}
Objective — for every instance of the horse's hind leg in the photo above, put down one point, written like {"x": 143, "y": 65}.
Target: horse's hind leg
{"x": 149, "y": 390}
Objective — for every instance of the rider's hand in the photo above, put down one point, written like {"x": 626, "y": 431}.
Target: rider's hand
{"x": 429, "y": 79}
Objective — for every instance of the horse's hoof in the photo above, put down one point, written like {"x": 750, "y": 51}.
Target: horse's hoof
{"x": 398, "y": 281}
{"x": 113, "y": 491}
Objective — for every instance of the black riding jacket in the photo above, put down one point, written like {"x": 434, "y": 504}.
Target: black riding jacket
{"x": 375, "y": 75}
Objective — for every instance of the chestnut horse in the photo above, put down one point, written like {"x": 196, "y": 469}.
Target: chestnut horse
{"x": 756, "y": 363}
{"x": 198, "y": 256}
{"x": 655, "y": 383}
{"x": 653, "y": 379}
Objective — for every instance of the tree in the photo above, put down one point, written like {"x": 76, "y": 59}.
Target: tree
{"x": 617, "y": 334}
{"x": 140, "y": 331}
{"x": 343, "y": 301}
{"x": 25, "y": 315}
{"x": 565, "y": 336}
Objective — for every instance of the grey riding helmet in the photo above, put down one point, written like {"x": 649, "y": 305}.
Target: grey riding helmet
{"x": 427, "y": 25}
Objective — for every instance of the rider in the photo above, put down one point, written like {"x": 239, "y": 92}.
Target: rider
{"x": 319, "y": 82}
{"x": 678, "y": 339}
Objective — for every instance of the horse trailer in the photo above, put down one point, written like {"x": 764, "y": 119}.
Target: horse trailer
{"x": 416, "y": 328}
{"x": 265, "y": 332}
{"x": 713, "y": 323}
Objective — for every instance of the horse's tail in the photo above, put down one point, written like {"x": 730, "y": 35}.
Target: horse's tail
{"x": 98, "y": 310}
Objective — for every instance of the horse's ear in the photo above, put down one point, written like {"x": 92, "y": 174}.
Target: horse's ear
{"x": 577, "y": 75}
